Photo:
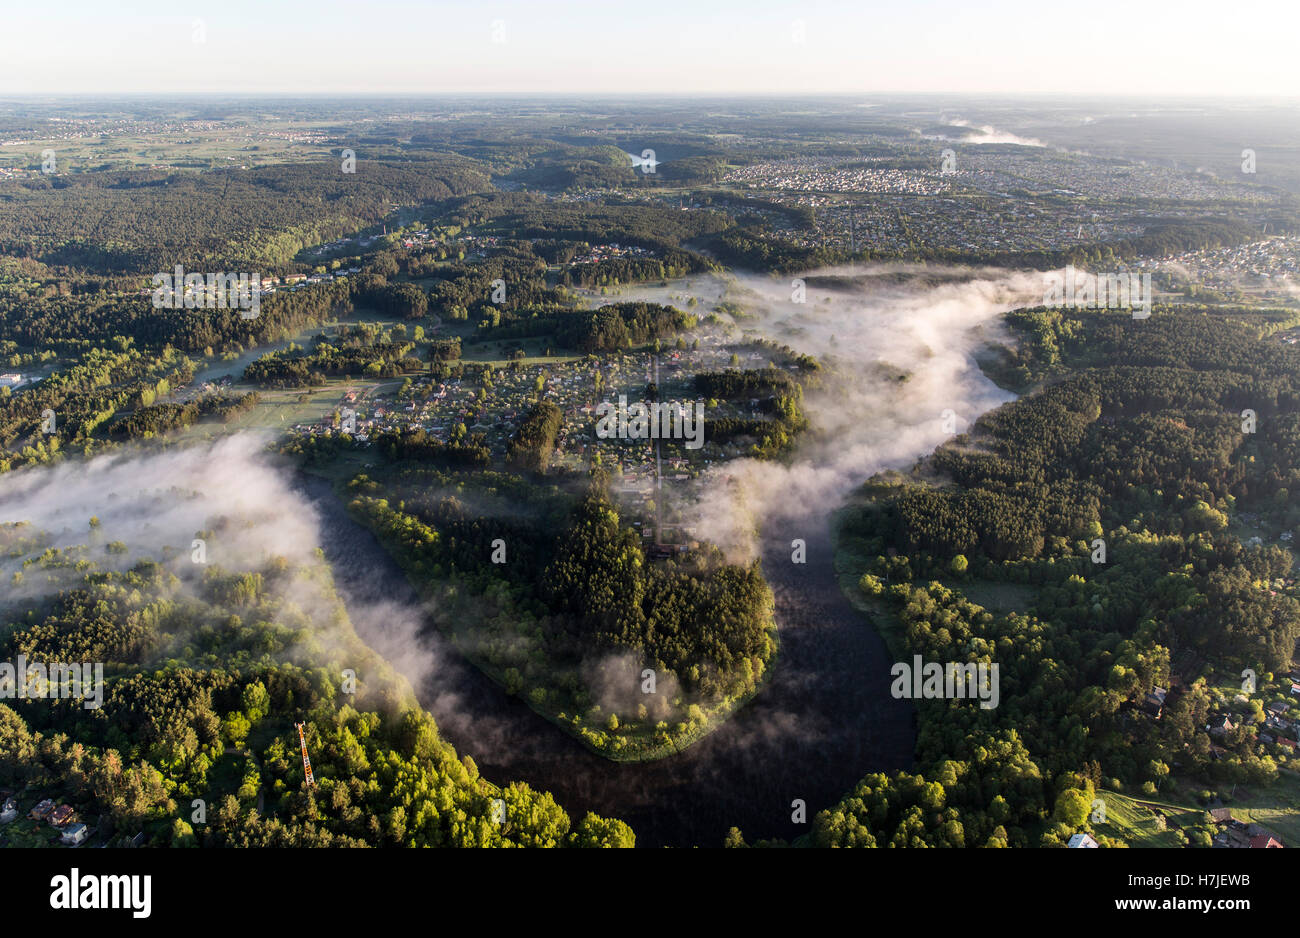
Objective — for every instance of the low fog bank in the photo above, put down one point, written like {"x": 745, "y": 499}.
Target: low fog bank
{"x": 150, "y": 504}
{"x": 157, "y": 503}
{"x": 898, "y": 347}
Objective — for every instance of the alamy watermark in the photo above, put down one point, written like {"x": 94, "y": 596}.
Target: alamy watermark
{"x": 656, "y": 421}
{"x": 103, "y": 891}
{"x": 955, "y": 680}
{"x": 208, "y": 291}
{"x": 53, "y": 681}
{"x": 1078, "y": 289}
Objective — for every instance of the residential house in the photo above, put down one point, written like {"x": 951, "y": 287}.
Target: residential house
{"x": 61, "y": 815}
{"x": 1154, "y": 702}
{"x": 42, "y": 810}
{"x": 1082, "y": 841}
{"x": 1233, "y": 836}
{"x": 74, "y": 834}
{"x": 1221, "y": 724}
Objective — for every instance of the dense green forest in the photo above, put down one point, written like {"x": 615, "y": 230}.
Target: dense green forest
{"x": 1113, "y": 496}
{"x": 539, "y": 590}
{"x": 159, "y": 418}
{"x": 207, "y": 671}
{"x": 530, "y": 448}
{"x": 257, "y": 219}
{"x": 1118, "y": 530}
{"x": 755, "y": 247}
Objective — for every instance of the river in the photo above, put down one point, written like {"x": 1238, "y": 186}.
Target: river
{"x": 902, "y": 378}
{"x": 822, "y": 721}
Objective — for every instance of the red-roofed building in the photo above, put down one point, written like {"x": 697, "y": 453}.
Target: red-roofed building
{"x": 1263, "y": 842}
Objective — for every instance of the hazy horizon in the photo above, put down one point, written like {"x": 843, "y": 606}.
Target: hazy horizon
{"x": 671, "y": 49}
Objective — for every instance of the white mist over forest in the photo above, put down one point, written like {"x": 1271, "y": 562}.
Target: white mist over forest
{"x": 898, "y": 348}
{"x": 155, "y": 504}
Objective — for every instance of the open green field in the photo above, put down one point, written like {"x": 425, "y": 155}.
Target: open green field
{"x": 998, "y": 598}
{"x": 1137, "y": 821}
{"x": 279, "y": 410}
{"x": 1276, "y": 808}
{"x": 186, "y": 147}
{"x": 1134, "y": 819}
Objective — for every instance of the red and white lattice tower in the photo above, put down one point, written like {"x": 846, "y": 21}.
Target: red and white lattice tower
{"x": 306, "y": 762}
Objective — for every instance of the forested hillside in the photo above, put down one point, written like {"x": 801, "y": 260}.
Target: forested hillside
{"x": 206, "y": 673}
{"x": 1114, "y": 505}
{"x": 119, "y": 222}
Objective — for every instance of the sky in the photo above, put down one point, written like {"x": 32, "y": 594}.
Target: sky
{"x": 669, "y": 47}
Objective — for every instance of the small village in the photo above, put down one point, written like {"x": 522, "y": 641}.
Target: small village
{"x": 1241, "y": 721}
{"x": 1270, "y": 267}
{"x": 490, "y": 400}
{"x": 60, "y": 820}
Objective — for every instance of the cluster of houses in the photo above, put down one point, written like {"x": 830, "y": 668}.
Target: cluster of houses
{"x": 835, "y": 174}
{"x": 1231, "y": 833}
{"x": 1037, "y": 195}
{"x": 294, "y": 281}
{"x": 329, "y": 247}
{"x": 1000, "y": 172}
{"x": 1271, "y": 264}
{"x": 273, "y": 284}
{"x": 897, "y": 222}
{"x": 639, "y": 469}
{"x": 478, "y": 247}
{"x": 60, "y": 817}
{"x": 363, "y": 242}
{"x": 1250, "y": 519}
{"x": 605, "y": 252}
{"x": 1239, "y": 834}
{"x": 420, "y": 238}
{"x": 1277, "y": 729}
{"x": 494, "y": 410}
